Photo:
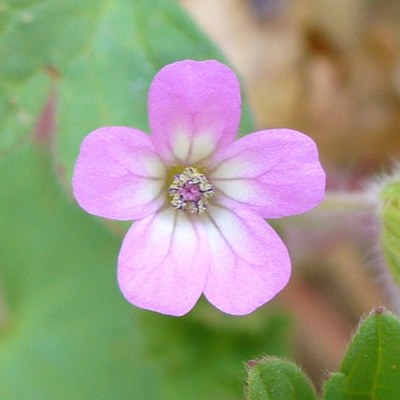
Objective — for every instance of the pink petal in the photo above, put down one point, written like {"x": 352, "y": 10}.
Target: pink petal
{"x": 194, "y": 108}
{"x": 249, "y": 262}
{"x": 163, "y": 263}
{"x": 118, "y": 175}
{"x": 275, "y": 172}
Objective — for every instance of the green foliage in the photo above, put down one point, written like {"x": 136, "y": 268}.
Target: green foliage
{"x": 390, "y": 229}
{"x": 371, "y": 366}
{"x": 334, "y": 387}
{"x": 370, "y": 369}
{"x": 274, "y": 379}
{"x": 67, "y": 334}
{"x": 98, "y": 56}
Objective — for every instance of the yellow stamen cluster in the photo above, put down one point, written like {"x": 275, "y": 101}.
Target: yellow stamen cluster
{"x": 190, "y": 191}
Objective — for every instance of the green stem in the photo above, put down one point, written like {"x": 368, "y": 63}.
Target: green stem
{"x": 345, "y": 202}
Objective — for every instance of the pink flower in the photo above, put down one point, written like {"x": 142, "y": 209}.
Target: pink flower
{"x": 199, "y": 197}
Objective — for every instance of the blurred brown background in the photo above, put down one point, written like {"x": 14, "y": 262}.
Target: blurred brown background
{"x": 330, "y": 69}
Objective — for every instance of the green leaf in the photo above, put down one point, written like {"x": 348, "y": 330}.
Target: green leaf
{"x": 98, "y": 56}
{"x": 36, "y": 39}
{"x": 371, "y": 366}
{"x": 274, "y": 379}
{"x": 107, "y": 83}
{"x": 390, "y": 226}
{"x": 67, "y": 333}
{"x": 334, "y": 387}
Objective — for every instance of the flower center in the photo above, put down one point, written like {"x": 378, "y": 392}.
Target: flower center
{"x": 190, "y": 191}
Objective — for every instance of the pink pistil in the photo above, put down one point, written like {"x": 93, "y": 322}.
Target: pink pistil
{"x": 190, "y": 192}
